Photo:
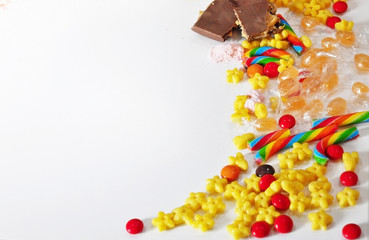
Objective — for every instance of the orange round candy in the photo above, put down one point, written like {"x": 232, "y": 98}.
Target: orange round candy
{"x": 346, "y": 38}
{"x": 360, "y": 89}
{"x": 253, "y": 69}
{"x": 337, "y": 107}
{"x": 230, "y": 172}
{"x": 362, "y": 62}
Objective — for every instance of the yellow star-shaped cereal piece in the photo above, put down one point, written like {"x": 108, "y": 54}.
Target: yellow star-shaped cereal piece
{"x": 292, "y": 187}
{"x": 195, "y": 200}
{"x": 239, "y": 160}
{"x": 238, "y": 229}
{"x": 344, "y": 25}
{"x": 324, "y": 3}
{"x": 260, "y": 110}
{"x": 233, "y": 191}
{"x": 320, "y": 220}
{"x": 203, "y": 222}
{"x": 350, "y": 160}
{"x": 252, "y": 183}
{"x": 234, "y": 75}
{"x": 311, "y": 8}
{"x": 213, "y": 205}
{"x": 164, "y": 221}
{"x": 285, "y": 63}
{"x": 321, "y": 199}
{"x": 240, "y": 115}
{"x": 321, "y": 184}
{"x": 287, "y": 159}
{"x": 299, "y": 202}
{"x": 246, "y": 212}
{"x": 267, "y": 214}
{"x": 183, "y": 214}
{"x": 317, "y": 169}
{"x": 262, "y": 200}
{"x": 258, "y": 81}
{"x": 347, "y": 197}
{"x": 297, "y": 6}
{"x": 216, "y": 184}
{"x": 323, "y": 15}
{"x": 240, "y": 101}
{"x": 302, "y": 150}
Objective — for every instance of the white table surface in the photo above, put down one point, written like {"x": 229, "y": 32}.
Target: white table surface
{"x": 112, "y": 110}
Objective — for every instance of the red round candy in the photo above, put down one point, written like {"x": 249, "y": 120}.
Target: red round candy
{"x": 283, "y": 224}
{"x": 331, "y": 21}
{"x": 287, "y": 121}
{"x": 280, "y": 201}
{"x": 340, "y": 7}
{"x": 265, "y": 181}
{"x": 351, "y": 231}
{"x": 260, "y": 229}
{"x": 134, "y": 226}
{"x": 334, "y": 152}
{"x": 271, "y": 69}
{"x": 349, "y": 178}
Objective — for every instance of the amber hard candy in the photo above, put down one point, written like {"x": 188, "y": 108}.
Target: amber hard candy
{"x": 314, "y": 108}
{"x": 337, "y": 107}
{"x": 346, "y": 38}
{"x": 329, "y": 43}
{"x": 360, "y": 89}
{"x": 289, "y": 87}
{"x": 266, "y": 124}
{"x": 362, "y": 62}
{"x": 288, "y": 73}
{"x": 309, "y": 23}
{"x": 295, "y": 103}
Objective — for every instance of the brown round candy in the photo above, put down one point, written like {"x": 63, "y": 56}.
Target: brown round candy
{"x": 264, "y": 169}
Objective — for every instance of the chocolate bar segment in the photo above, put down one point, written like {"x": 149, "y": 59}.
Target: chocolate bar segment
{"x": 257, "y": 19}
{"x": 217, "y": 20}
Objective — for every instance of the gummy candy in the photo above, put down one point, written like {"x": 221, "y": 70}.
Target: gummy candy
{"x": 337, "y": 107}
{"x": 362, "y": 62}
{"x": 320, "y": 220}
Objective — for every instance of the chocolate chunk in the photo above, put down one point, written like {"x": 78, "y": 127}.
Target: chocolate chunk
{"x": 217, "y": 20}
{"x": 257, "y": 19}
{"x": 264, "y": 169}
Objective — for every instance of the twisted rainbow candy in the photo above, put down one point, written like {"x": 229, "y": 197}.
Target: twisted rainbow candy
{"x": 343, "y": 120}
{"x": 296, "y": 43}
{"x": 269, "y": 52}
{"x": 262, "y": 60}
{"x": 341, "y": 136}
{"x": 260, "y": 142}
{"x": 313, "y": 135}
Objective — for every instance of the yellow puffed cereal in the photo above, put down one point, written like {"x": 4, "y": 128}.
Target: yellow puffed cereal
{"x": 216, "y": 184}
{"x": 250, "y": 45}
{"x": 248, "y": 195}
{"x": 258, "y": 81}
{"x": 299, "y": 175}
{"x": 317, "y": 169}
{"x": 234, "y": 76}
{"x": 274, "y": 103}
{"x": 338, "y": 0}
{"x": 233, "y": 191}
{"x": 267, "y": 214}
{"x": 281, "y": 36}
{"x": 195, "y": 200}
{"x": 281, "y": 3}
{"x": 274, "y": 187}
{"x": 311, "y": 8}
{"x": 287, "y": 159}
{"x": 241, "y": 142}
{"x": 240, "y": 101}
{"x": 347, "y": 197}
{"x": 292, "y": 187}
{"x": 246, "y": 212}
{"x": 350, "y": 160}
{"x": 344, "y": 25}
{"x": 214, "y": 205}
{"x": 297, "y": 6}
{"x": 239, "y": 161}
{"x": 285, "y": 64}
{"x": 203, "y": 222}
{"x": 183, "y": 214}
{"x": 321, "y": 184}
{"x": 306, "y": 41}
{"x": 262, "y": 200}
{"x": 299, "y": 202}
{"x": 324, "y": 3}
{"x": 252, "y": 183}
{"x": 239, "y": 115}
{"x": 302, "y": 150}
{"x": 261, "y": 110}
{"x": 323, "y": 15}
{"x": 321, "y": 199}
{"x": 238, "y": 229}
{"x": 320, "y": 220}
{"x": 271, "y": 42}
{"x": 164, "y": 221}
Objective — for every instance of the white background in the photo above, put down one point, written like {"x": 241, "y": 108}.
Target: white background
{"x": 112, "y": 110}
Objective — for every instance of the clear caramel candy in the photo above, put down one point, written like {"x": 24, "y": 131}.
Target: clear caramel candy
{"x": 311, "y": 84}
{"x": 329, "y": 43}
{"x": 288, "y": 73}
{"x": 314, "y": 108}
{"x": 289, "y": 87}
{"x": 266, "y": 124}
{"x": 346, "y": 38}
{"x": 362, "y": 62}
{"x": 360, "y": 89}
{"x": 309, "y": 23}
{"x": 337, "y": 107}
{"x": 308, "y": 58}
{"x": 295, "y": 103}
{"x": 325, "y": 64}
{"x": 330, "y": 82}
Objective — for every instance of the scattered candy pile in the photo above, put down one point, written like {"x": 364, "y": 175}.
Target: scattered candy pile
{"x": 289, "y": 89}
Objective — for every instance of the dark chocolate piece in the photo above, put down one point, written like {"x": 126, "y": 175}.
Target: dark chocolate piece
{"x": 264, "y": 169}
{"x": 217, "y": 20}
{"x": 257, "y": 19}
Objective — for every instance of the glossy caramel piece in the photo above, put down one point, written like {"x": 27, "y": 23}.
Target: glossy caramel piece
{"x": 362, "y": 62}
{"x": 311, "y": 84}
{"x": 329, "y": 44}
{"x": 330, "y": 82}
{"x": 360, "y": 89}
{"x": 295, "y": 103}
{"x": 314, "y": 108}
{"x": 288, "y": 73}
{"x": 289, "y": 87}
{"x": 308, "y": 23}
{"x": 346, "y": 38}
{"x": 266, "y": 124}
{"x": 337, "y": 106}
